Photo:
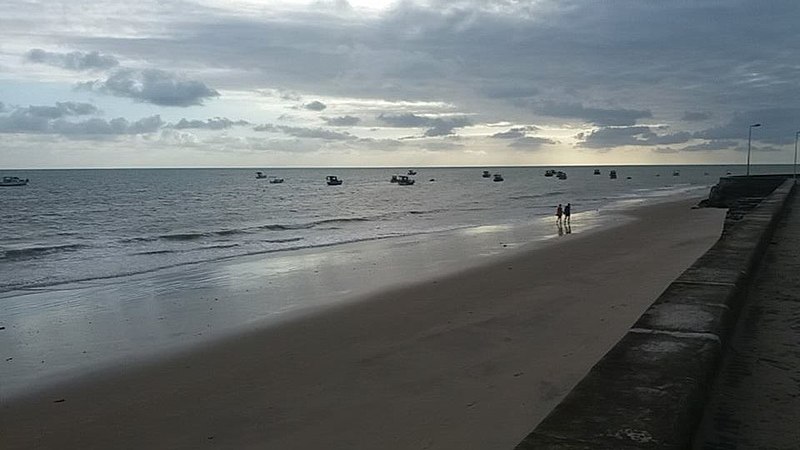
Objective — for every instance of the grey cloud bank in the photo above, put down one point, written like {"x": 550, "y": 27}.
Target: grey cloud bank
{"x": 597, "y": 116}
{"x": 154, "y": 86}
{"x": 316, "y": 105}
{"x": 216, "y": 123}
{"x": 19, "y": 123}
{"x": 303, "y": 132}
{"x": 343, "y": 121}
{"x": 78, "y": 61}
{"x": 669, "y": 77}
{"x": 437, "y": 126}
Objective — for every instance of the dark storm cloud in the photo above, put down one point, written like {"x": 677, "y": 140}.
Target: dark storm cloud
{"x": 153, "y": 86}
{"x": 316, "y": 105}
{"x": 77, "y": 61}
{"x": 437, "y": 126}
{"x": 343, "y": 121}
{"x": 608, "y": 137}
{"x": 302, "y": 132}
{"x": 597, "y": 116}
{"x": 216, "y": 123}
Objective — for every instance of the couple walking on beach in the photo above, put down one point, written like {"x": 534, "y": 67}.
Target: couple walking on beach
{"x": 565, "y": 212}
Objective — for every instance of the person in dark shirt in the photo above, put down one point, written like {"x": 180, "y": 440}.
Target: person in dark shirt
{"x": 567, "y": 212}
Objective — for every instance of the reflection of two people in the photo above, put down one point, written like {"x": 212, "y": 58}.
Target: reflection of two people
{"x": 564, "y": 228}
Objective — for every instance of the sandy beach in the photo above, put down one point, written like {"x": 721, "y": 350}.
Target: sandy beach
{"x": 468, "y": 360}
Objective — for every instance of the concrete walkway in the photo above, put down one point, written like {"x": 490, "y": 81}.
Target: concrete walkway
{"x": 756, "y": 400}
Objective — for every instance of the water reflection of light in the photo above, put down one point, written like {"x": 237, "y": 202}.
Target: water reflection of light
{"x": 484, "y": 229}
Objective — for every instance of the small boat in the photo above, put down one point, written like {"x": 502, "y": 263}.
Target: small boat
{"x": 412, "y": 172}
{"x": 549, "y": 172}
{"x": 13, "y": 181}
{"x": 486, "y": 174}
{"x": 561, "y": 175}
{"x": 497, "y": 177}
{"x": 333, "y": 180}
{"x": 261, "y": 175}
{"x": 676, "y": 173}
{"x": 404, "y": 180}
{"x": 276, "y": 180}
{"x": 612, "y": 174}
{"x": 597, "y": 171}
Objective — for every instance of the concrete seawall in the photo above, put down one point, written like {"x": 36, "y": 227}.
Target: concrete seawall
{"x": 650, "y": 389}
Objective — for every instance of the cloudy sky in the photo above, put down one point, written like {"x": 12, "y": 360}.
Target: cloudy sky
{"x": 152, "y": 83}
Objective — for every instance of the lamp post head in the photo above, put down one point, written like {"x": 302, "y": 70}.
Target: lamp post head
{"x": 755, "y": 125}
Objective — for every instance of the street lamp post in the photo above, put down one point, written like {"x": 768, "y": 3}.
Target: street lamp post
{"x": 794, "y": 168}
{"x": 749, "y": 138}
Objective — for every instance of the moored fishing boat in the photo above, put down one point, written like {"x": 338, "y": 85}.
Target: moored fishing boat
{"x": 404, "y": 180}
{"x": 13, "y": 181}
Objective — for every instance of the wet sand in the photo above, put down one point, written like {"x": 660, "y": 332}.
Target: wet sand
{"x": 469, "y": 360}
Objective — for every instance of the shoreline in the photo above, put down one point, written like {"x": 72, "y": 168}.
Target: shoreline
{"x": 71, "y": 330}
{"x": 490, "y": 349}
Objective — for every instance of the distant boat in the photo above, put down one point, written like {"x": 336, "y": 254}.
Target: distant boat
{"x": 333, "y": 180}
{"x": 549, "y": 172}
{"x": 497, "y": 177}
{"x": 412, "y": 172}
{"x": 260, "y": 175}
{"x": 612, "y": 174}
{"x": 13, "y": 181}
{"x": 597, "y": 171}
{"x": 404, "y": 180}
{"x": 486, "y": 174}
{"x": 676, "y": 173}
{"x": 561, "y": 175}
{"x": 276, "y": 180}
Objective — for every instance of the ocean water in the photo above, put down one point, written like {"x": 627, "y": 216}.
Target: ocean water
{"x": 74, "y": 225}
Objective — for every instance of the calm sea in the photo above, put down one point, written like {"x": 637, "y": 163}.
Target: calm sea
{"x": 72, "y": 225}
